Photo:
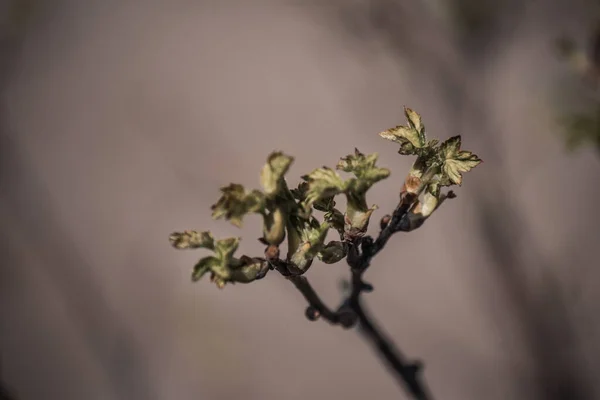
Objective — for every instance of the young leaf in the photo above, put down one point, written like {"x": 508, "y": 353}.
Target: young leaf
{"x": 235, "y": 202}
{"x": 411, "y": 137}
{"x": 408, "y": 138}
{"x": 455, "y": 161}
{"x": 192, "y": 240}
{"x": 312, "y": 239}
{"x": 272, "y": 173}
{"x": 364, "y": 169}
{"x": 203, "y": 266}
{"x": 322, "y": 183}
{"x": 414, "y": 121}
{"x": 224, "y": 268}
{"x": 250, "y": 270}
{"x": 225, "y": 248}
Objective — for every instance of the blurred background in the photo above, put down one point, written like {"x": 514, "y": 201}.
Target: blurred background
{"x": 120, "y": 120}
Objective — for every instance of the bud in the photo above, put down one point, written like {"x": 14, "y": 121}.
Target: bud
{"x": 312, "y": 313}
{"x": 385, "y": 220}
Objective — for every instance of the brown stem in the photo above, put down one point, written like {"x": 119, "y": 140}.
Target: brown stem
{"x": 360, "y": 253}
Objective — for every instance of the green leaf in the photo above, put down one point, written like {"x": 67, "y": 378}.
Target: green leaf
{"x": 249, "y": 270}
{"x": 455, "y": 161}
{"x": 364, "y": 169}
{"x": 414, "y": 120}
{"x": 236, "y": 202}
{"x": 409, "y": 137}
{"x": 273, "y": 172}
{"x": 225, "y": 248}
{"x": 314, "y": 234}
{"x": 312, "y": 239}
{"x": 192, "y": 240}
{"x": 222, "y": 266}
{"x": 322, "y": 183}
{"x": 203, "y": 266}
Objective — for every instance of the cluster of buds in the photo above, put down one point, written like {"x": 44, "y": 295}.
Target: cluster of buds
{"x": 289, "y": 213}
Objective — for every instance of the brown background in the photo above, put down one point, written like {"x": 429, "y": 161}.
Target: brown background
{"x": 121, "y": 119}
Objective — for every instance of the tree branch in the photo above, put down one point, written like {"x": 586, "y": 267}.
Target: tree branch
{"x": 361, "y": 251}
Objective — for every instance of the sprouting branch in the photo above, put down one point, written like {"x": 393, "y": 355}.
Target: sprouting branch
{"x": 289, "y": 214}
{"x": 361, "y": 251}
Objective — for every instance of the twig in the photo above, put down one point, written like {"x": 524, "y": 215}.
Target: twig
{"x": 361, "y": 251}
{"x": 406, "y": 373}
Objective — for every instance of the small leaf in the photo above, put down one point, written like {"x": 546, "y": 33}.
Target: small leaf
{"x": 225, "y": 248}
{"x": 203, "y": 266}
{"x": 322, "y": 183}
{"x": 403, "y": 136}
{"x": 272, "y": 173}
{"x": 312, "y": 239}
{"x": 252, "y": 269}
{"x": 223, "y": 267}
{"x": 409, "y": 137}
{"x": 235, "y": 203}
{"x": 192, "y": 240}
{"x": 414, "y": 121}
{"x": 455, "y": 161}
{"x": 363, "y": 167}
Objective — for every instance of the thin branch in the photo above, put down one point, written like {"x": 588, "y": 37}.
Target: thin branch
{"x": 360, "y": 253}
{"x": 406, "y": 373}
{"x": 318, "y": 308}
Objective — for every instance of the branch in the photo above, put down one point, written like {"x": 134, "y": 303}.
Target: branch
{"x": 317, "y": 308}
{"x": 406, "y": 373}
{"x": 289, "y": 212}
{"x": 361, "y": 251}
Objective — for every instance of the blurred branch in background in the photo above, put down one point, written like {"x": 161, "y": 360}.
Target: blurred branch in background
{"x": 14, "y": 18}
{"x": 108, "y": 337}
{"x": 582, "y": 121}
